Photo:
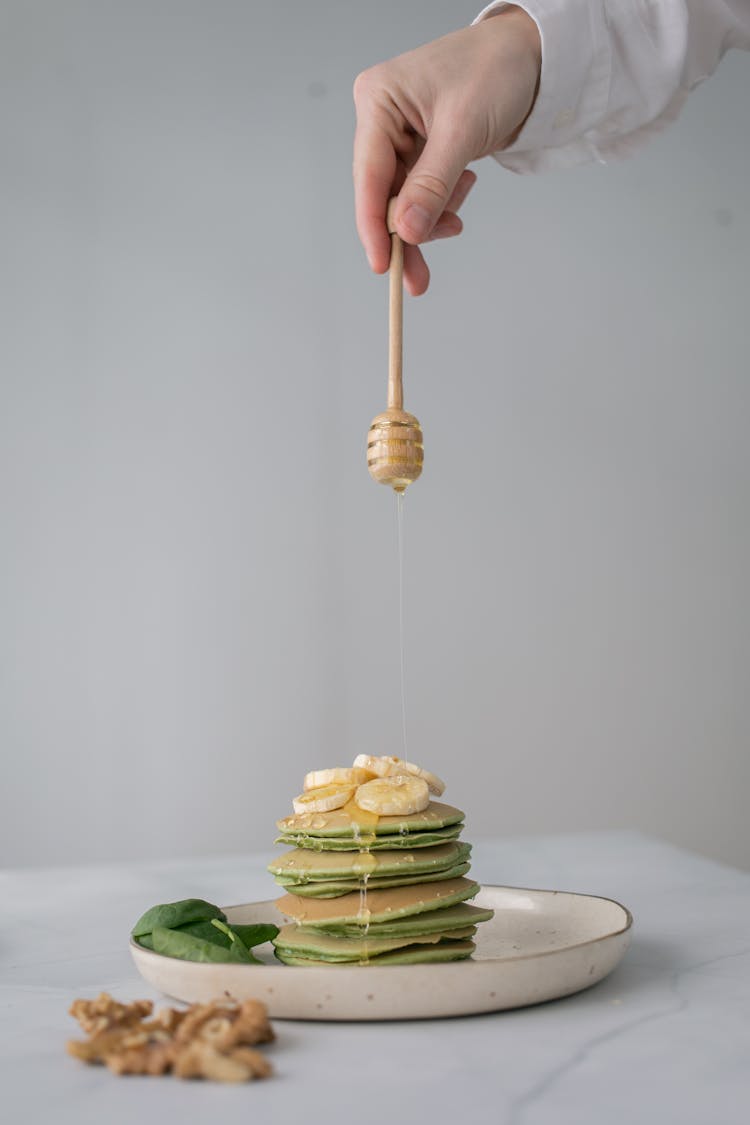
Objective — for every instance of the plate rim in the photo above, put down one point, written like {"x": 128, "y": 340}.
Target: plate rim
{"x": 624, "y": 929}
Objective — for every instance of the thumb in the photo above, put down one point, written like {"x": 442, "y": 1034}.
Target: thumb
{"x": 430, "y": 183}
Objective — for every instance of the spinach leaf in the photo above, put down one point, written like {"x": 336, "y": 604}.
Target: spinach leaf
{"x": 256, "y": 934}
{"x": 172, "y": 914}
{"x": 187, "y": 947}
{"x": 207, "y": 931}
{"x": 195, "y": 930}
{"x": 237, "y": 944}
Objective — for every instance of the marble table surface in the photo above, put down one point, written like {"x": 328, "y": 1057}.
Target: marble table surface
{"x": 665, "y": 1039}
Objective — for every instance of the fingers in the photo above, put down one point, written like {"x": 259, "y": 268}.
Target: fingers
{"x": 465, "y": 183}
{"x": 431, "y": 183}
{"x": 374, "y": 171}
{"x": 384, "y": 151}
{"x": 447, "y": 226}
{"x": 416, "y": 271}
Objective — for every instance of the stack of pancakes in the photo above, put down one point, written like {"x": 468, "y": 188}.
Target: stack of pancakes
{"x": 369, "y": 888}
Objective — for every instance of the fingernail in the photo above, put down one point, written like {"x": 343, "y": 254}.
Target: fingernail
{"x": 447, "y": 226}
{"x": 441, "y": 232}
{"x": 418, "y": 220}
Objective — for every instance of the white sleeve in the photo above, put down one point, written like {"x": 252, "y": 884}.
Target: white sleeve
{"x": 616, "y": 71}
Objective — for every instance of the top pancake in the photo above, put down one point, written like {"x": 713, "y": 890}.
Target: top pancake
{"x": 356, "y": 825}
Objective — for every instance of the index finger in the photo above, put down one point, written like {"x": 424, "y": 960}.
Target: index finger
{"x": 374, "y": 172}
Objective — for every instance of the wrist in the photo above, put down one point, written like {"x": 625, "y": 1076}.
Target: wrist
{"x": 513, "y": 28}
{"x": 518, "y": 23}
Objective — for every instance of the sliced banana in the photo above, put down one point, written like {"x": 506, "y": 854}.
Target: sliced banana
{"x": 325, "y": 799}
{"x": 379, "y": 767}
{"x": 434, "y": 783}
{"x": 337, "y": 775}
{"x": 399, "y": 795}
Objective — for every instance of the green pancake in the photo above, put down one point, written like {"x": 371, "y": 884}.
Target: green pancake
{"x": 333, "y": 889}
{"x": 377, "y": 906}
{"x": 408, "y": 840}
{"x": 304, "y": 866}
{"x": 339, "y": 823}
{"x": 436, "y": 921}
{"x": 294, "y": 942}
{"x": 409, "y": 955}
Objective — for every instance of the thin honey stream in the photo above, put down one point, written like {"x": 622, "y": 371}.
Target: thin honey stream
{"x": 363, "y": 830}
{"x": 363, "y": 822}
{"x": 361, "y": 819}
{"x": 400, "y": 526}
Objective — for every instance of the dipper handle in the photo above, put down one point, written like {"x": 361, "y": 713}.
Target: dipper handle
{"x": 395, "y": 316}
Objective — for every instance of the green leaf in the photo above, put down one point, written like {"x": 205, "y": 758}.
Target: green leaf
{"x": 172, "y": 914}
{"x": 238, "y": 952}
{"x": 256, "y": 934}
{"x": 207, "y": 931}
{"x": 231, "y": 933}
{"x": 195, "y": 930}
{"x": 187, "y": 947}
{"x": 224, "y": 929}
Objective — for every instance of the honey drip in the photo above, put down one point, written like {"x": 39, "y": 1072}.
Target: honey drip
{"x": 364, "y": 823}
{"x": 363, "y": 830}
{"x": 400, "y": 526}
{"x": 366, "y": 914}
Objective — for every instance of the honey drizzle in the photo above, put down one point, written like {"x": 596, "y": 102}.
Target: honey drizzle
{"x": 361, "y": 819}
{"x": 400, "y": 526}
{"x": 364, "y": 959}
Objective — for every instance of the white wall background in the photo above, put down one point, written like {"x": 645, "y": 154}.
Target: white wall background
{"x": 197, "y": 577}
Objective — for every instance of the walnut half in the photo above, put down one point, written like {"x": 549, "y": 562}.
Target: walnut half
{"x": 104, "y": 1013}
{"x": 226, "y": 1025}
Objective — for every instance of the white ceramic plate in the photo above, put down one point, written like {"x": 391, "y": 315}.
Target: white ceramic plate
{"x": 539, "y": 946}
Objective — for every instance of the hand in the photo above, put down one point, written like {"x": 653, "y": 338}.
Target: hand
{"x": 423, "y": 116}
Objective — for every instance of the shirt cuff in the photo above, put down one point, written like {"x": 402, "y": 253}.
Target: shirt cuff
{"x": 573, "y": 87}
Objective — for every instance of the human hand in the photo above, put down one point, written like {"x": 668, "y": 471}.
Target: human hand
{"x": 423, "y": 116}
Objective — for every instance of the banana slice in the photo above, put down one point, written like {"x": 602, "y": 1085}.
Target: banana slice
{"x": 324, "y": 799}
{"x": 337, "y": 775}
{"x": 434, "y": 783}
{"x": 380, "y": 767}
{"x": 393, "y": 796}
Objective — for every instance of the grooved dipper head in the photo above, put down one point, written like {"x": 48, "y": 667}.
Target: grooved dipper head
{"x": 395, "y": 450}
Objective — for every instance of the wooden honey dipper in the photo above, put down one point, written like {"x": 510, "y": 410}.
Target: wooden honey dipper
{"x": 394, "y": 442}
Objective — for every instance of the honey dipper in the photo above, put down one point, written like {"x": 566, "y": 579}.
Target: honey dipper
{"x": 394, "y": 442}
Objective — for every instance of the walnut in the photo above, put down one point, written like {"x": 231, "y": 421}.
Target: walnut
{"x": 169, "y": 1018}
{"x": 207, "y": 1041}
{"x": 252, "y": 1024}
{"x": 105, "y": 1045}
{"x": 104, "y": 1012}
{"x": 202, "y": 1060}
{"x": 151, "y": 1058}
{"x": 254, "y": 1060}
{"x": 227, "y": 1025}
